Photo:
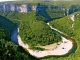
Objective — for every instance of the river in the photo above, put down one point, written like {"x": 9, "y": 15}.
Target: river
{"x": 14, "y": 34}
{"x": 15, "y": 38}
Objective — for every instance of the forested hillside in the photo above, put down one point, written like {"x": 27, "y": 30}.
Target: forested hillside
{"x": 9, "y": 50}
{"x": 56, "y": 12}
{"x": 7, "y": 25}
{"x": 65, "y": 25}
{"x": 35, "y": 32}
{"x": 32, "y": 30}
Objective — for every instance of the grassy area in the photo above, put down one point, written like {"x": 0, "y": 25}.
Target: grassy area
{"x": 64, "y": 25}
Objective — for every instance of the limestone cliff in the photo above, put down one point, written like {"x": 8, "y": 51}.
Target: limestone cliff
{"x": 16, "y": 8}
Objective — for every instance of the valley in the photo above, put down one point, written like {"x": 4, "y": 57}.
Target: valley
{"x": 39, "y": 31}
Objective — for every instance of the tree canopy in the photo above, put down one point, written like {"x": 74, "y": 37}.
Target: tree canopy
{"x": 32, "y": 30}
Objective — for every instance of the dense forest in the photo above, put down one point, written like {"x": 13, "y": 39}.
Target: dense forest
{"x": 64, "y": 25}
{"x": 8, "y": 26}
{"x": 34, "y": 31}
{"x": 9, "y": 50}
{"x": 33, "y": 28}
{"x": 56, "y": 12}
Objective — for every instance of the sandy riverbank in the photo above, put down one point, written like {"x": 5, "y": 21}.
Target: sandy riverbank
{"x": 61, "y": 49}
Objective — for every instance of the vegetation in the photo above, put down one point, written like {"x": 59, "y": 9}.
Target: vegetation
{"x": 7, "y": 25}
{"x": 9, "y": 50}
{"x": 64, "y": 25}
{"x": 39, "y": 31}
{"x": 74, "y": 8}
{"x": 50, "y": 12}
{"x": 32, "y": 30}
{"x": 55, "y": 12}
{"x": 41, "y": 10}
{"x": 37, "y": 48}
{"x": 63, "y": 22}
{"x": 12, "y": 16}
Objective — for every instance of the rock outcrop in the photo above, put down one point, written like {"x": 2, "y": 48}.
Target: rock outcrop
{"x": 16, "y": 8}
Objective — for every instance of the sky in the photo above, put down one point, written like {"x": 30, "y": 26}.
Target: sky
{"x": 37, "y": 0}
{"x": 6, "y": 0}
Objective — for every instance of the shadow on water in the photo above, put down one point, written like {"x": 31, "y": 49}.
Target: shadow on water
{"x": 41, "y": 10}
{"x": 14, "y": 34}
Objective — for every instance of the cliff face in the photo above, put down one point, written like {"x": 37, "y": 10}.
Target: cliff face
{"x": 27, "y": 7}
{"x": 17, "y": 8}
{"x": 21, "y": 8}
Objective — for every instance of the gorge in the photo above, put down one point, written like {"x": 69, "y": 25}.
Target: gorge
{"x": 26, "y": 23}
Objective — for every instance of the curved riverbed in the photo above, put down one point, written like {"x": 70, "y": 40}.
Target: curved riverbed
{"x": 62, "y": 49}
